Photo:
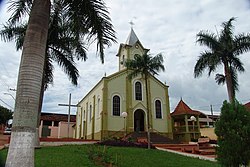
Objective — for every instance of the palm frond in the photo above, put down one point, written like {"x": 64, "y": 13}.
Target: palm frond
{"x": 237, "y": 64}
{"x": 92, "y": 15}
{"x": 241, "y": 44}
{"x": 208, "y": 39}
{"x": 48, "y": 72}
{"x": 20, "y": 9}
{"x": 220, "y": 79}
{"x": 234, "y": 77}
{"x": 144, "y": 65}
{"x": 67, "y": 63}
{"x": 13, "y": 32}
{"x": 207, "y": 60}
{"x": 227, "y": 31}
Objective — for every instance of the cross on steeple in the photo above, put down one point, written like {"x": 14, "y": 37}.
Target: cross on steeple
{"x": 131, "y": 23}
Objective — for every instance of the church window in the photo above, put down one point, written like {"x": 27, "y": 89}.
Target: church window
{"x": 123, "y": 59}
{"x": 158, "y": 109}
{"x": 116, "y": 105}
{"x": 84, "y": 112}
{"x": 98, "y": 106}
{"x": 138, "y": 91}
{"x": 90, "y": 113}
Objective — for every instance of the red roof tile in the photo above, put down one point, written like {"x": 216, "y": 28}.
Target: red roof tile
{"x": 57, "y": 117}
{"x": 182, "y": 109}
{"x": 247, "y": 105}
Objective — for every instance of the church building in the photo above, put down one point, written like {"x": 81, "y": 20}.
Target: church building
{"x": 116, "y": 106}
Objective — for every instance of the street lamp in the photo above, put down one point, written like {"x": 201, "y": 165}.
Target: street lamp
{"x": 10, "y": 95}
{"x": 193, "y": 119}
{"x": 124, "y": 115}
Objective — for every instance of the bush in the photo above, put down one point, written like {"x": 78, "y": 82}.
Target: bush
{"x": 233, "y": 131}
{"x": 100, "y": 156}
{"x": 124, "y": 143}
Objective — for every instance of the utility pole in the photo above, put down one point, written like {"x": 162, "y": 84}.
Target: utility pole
{"x": 212, "y": 113}
{"x": 69, "y": 105}
{"x": 211, "y": 106}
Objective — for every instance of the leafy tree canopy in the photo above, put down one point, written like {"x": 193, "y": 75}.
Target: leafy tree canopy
{"x": 5, "y": 115}
{"x": 233, "y": 131}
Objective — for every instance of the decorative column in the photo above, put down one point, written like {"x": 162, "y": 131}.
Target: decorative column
{"x": 186, "y": 123}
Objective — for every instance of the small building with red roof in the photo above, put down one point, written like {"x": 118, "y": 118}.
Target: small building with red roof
{"x": 54, "y": 125}
{"x": 185, "y": 123}
{"x": 247, "y": 106}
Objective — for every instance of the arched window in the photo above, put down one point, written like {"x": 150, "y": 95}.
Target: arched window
{"x": 158, "y": 109}
{"x": 116, "y": 105}
{"x": 84, "y": 113}
{"x": 123, "y": 59}
{"x": 98, "y": 106}
{"x": 138, "y": 91}
{"x": 90, "y": 112}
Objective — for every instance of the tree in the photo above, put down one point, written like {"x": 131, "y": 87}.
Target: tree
{"x": 5, "y": 115}
{"x": 224, "y": 49}
{"x": 83, "y": 16}
{"x": 61, "y": 47}
{"x": 145, "y": 66}
{"x": 233, "y": 131}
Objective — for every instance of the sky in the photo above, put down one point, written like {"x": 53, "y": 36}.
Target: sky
{"x": 167, "y": 27}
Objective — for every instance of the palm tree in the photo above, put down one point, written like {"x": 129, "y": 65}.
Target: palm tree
{"x": 145, "y": 66}
{"x": 224, "y": 49}
{"x": 84, "y": 17}
{"x": 61, "y": 48}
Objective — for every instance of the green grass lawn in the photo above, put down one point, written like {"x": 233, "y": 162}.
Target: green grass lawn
{"x": 77, "y": 156}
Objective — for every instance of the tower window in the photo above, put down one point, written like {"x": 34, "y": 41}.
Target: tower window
{"x": 123, "y": 59}
{"x": 138, "y": 91}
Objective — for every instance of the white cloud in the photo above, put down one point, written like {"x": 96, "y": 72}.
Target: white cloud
{"x": 169, "y": 27}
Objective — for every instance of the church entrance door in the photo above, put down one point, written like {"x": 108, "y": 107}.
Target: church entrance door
{"x": 139, "y": 120}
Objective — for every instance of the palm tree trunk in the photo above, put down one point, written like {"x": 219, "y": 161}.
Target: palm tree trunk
{"x": 229, "y": 83}
{"x": 21, "y": 150}
{"x": 37, "y": 141}
{"x": 148, "y": 112}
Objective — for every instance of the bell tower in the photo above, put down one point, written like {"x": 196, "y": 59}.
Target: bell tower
{"x": 131, "y": 47}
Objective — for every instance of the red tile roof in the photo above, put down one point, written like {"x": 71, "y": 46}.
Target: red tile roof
{"x": 182, "y": 109}
{"x": 57, "y": 117}
{"x": 247, "y": 105}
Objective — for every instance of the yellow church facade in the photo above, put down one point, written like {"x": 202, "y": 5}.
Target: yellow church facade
{"x": 117, "y": 106}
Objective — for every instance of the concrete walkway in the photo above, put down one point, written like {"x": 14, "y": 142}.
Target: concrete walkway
{"x": 45, "y": 144}
{"x": 66, "y": 143}
{"x": 188, "y": 154}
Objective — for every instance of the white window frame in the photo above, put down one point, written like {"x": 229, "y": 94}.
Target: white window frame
{"x": 141, "y": 90}
{"x": 155, "y": 108}
{"x": 112, "y": 105}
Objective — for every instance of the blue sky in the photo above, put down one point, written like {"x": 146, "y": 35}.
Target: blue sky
{"x": 167, "y": 27}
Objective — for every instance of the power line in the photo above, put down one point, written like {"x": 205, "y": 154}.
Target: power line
{"x": 6, "y": 104}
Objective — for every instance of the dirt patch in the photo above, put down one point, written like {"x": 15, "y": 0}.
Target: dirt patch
{"x": 4, "y": 139}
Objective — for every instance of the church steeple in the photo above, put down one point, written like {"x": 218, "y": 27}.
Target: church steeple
{"x": 131, "y": 47}
{"x": 132, "y": 38}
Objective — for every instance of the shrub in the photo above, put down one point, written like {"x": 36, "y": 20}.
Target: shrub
{"x": 100, "y": 156}
{"x": 233, "y": 131}
{"x": 124, "y": 143}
